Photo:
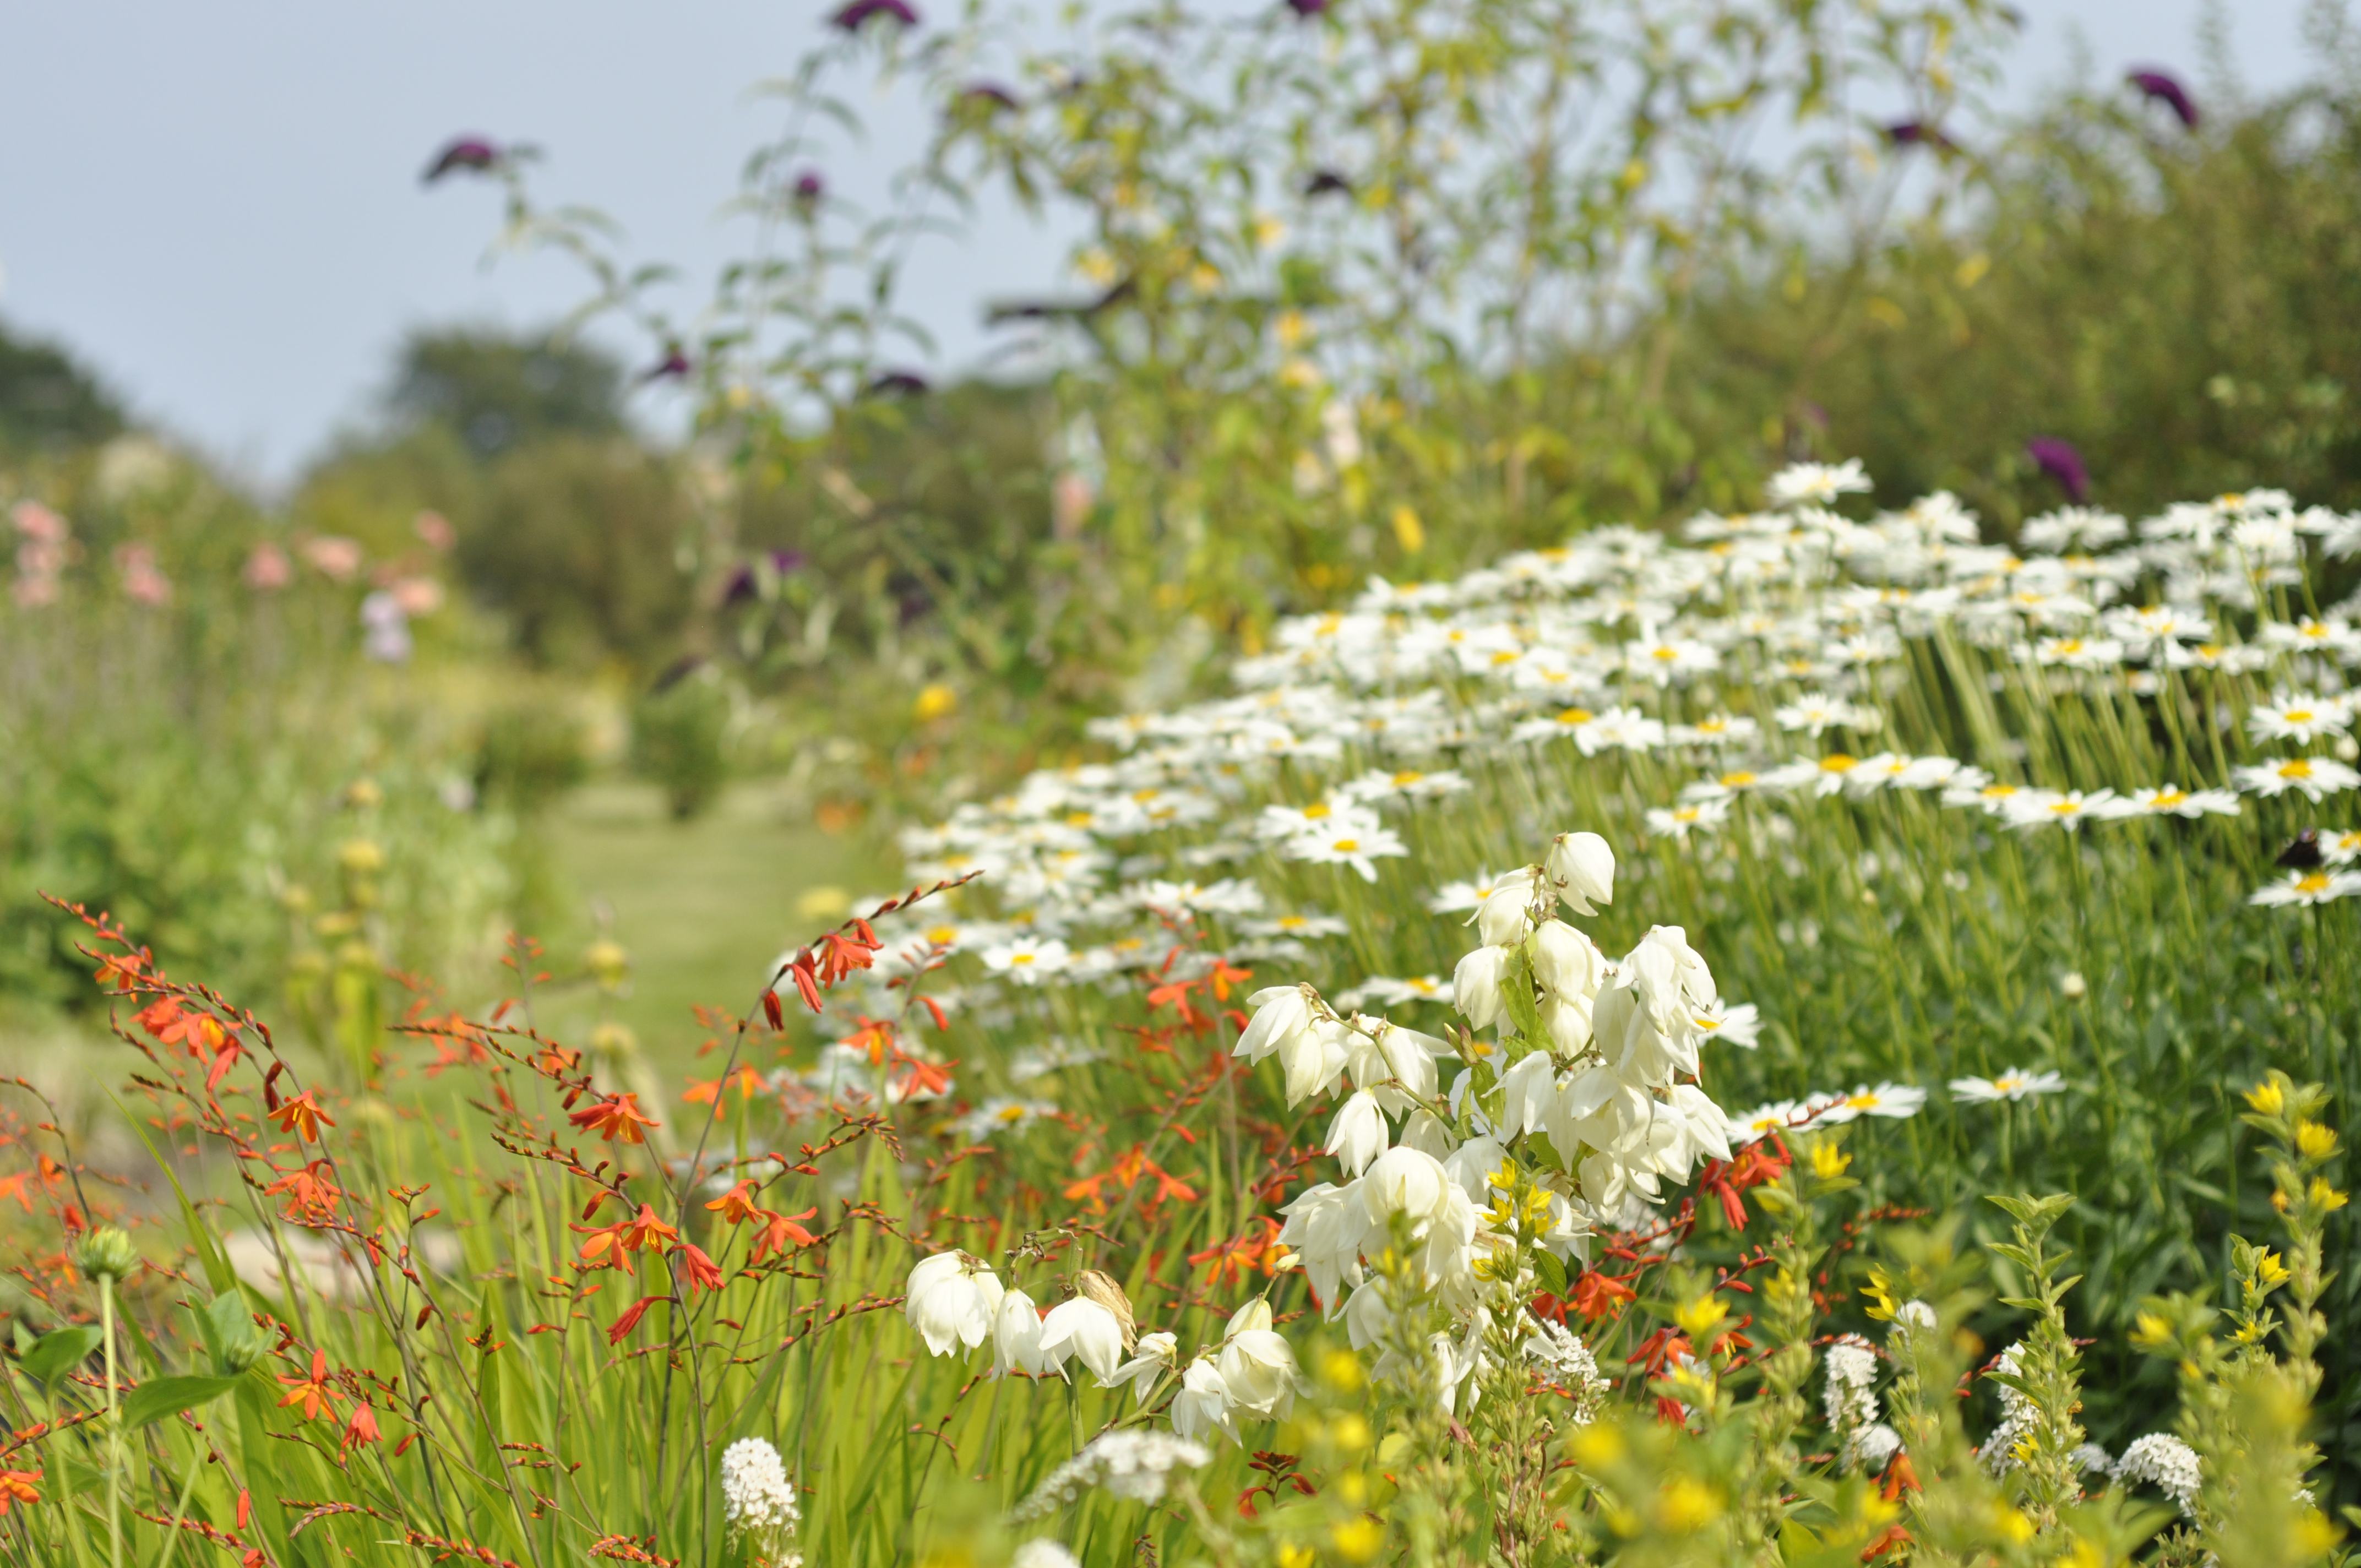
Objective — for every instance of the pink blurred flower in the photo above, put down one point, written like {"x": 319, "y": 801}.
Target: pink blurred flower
{"x": 418, "y": 595}
{"x": 436, "y": 529}
{"x": 142, "y": 582}
{"x": 34, "y": 592}
{"x": 267, "y": 569}
{"x": 334, "y": 557}
{"x": 39, "y": 523}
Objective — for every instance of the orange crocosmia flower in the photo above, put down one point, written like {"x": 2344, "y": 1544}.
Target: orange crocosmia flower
{"x": 736, "y": 1205}
{"x": 302, "y": 1116}
{"x": 19, "y": 1486}
{"x": 872, "y": 1039}
{"x": 700, "y": 1270}
{"x": 744, "y": 1079}
{"x": 608, "y": 1244}
{"x": 620, "y": 1117}
{"x": 314, "y": 1392}
{"x": 46, "y": 1172}
{"x": 362, "y": 1430}
{"x": 121, "y": 971}
{"x": 311, "y": 1189}
{"x": 1598, "y": 1295}
{"x": 778, "y": 1230}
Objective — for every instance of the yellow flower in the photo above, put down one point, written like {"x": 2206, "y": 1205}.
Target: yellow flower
{"x": 1879, "y": 1292}
{"x": 2267, "y": 1097}
{"x": 1294, "y": 1556}
{"x": 2325, "y": 1197}
{"x": 2011, "y": 1524}
{"x": 2269, "y": 1272}
{"x": 1597, "y": 1446}
{"x": 1409, "y": 533}
{"x": 1357, "y": 1540}
{"x": 2151, "y": 1330}
{"x": 2314, "y": 1141}
{"x": 1349, "y": 1431}
{"x": 1829, "y": 1161}
{"x": 1698, "y": 1316}
{"x": 1341, "y": 1370}
{"x": 934, "y": 702}
{"x": 1686, "y": 1503}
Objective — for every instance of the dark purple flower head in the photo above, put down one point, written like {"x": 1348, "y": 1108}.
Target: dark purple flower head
{"x": 988, "y": 95}
{"x": 786, "y": 563}
{"x": 1307, "y": 7}
{"x": 856, "y": 12}
{"x": 898, "y": 383}
{"x": 2165, "y": 89}
{"x": 1327, "y": 182}
{"x": 1918, "y": 133}
{"x": 2058, "y": 459}
{"x": 475, "y": 154}
{"x": 673, "y": 367}
{"x": 809, "y": 187}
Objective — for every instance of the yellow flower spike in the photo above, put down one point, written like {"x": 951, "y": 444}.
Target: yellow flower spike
{"x": 2011, "y": 1524}
{"x": 2268, "y": 1097}
{"x": 2326, "y": 1198}
{"x": 2315, "y": 1533}
{"x": 2151, "y": 1330}
{"x": 1829, "y": 1162}
{"x": 2313, "y": 1141}
{"x": 1357, "y": 1540}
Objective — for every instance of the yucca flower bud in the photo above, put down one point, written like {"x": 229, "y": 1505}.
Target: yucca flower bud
{"x": 1583, "y": 868}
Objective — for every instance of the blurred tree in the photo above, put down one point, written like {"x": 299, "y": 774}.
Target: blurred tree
{"x": 48, "y": 401}
{"x": 499, "y": 390}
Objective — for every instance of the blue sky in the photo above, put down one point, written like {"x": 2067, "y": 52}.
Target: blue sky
{"x": 218, "y": 205}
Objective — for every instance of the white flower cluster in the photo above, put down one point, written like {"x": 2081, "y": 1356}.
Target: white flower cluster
{"x": 1134, "y": 1465}
{"x": 955, "y": 1301}
{"x": 758, "y": 1501}
{"x": 1851, "y": 1405}
{"x": 1623, "y": 642}
{"x": 1562, "y": 1358}
{"x": 2164, "y": 1461}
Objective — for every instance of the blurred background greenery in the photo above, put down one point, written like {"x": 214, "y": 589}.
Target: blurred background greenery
{"x": 565, "y": 677}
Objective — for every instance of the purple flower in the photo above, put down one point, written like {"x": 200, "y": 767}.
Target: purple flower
{"x": 1327, "y": 182}
{"x": 675, "y": 366}
{"x": 809, "y": 187}
{"x": 1918, "y": 133}
{"x": 854, "y": 14}
{"x": 1307, "y": 7}
{"x": 2058, "y": 459}
{"x": 898, "y": 383}
{"x": 2164, "y": 89}
{"x": 475, "y": 154}
{"x": 988, "y": 95}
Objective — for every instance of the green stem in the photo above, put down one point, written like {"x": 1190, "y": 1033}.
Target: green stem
{"x": 113, "y": 1428}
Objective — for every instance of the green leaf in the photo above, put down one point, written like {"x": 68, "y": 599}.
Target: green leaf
{"x": 54, "y": 1354}
{"x": 1552, "y": 1272}
{"x": 160, "y": 1397}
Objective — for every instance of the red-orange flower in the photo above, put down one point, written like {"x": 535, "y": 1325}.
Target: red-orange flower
{"x": 609, "y": 1244}
{"x": 620, "y": 1117}
{"x": 19, "y": 1486}
{"x": 1598, "y": 1295}
{"x": 704, "y": 1091}
{"x": 310, "y": 1192}
{"x": 314, "y": 1392}
{"x": 303, "y": 1116}
{"x": 700, "y": 1270}
{"x": 362, "y": 1430}
{"x": 736, "y": 1205}
{"x": 778, "y": 1230}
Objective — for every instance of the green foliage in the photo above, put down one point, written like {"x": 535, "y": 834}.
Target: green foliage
{"x": 47, "y": 403}
{"x": 680, "y": 738}
{"x": 496, "y": 392}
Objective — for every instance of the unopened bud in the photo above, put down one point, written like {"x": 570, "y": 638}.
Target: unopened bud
{"x": 108, "y": 1254}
